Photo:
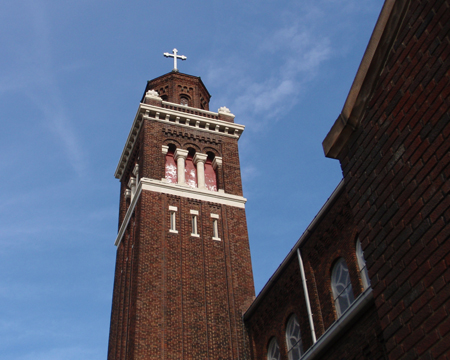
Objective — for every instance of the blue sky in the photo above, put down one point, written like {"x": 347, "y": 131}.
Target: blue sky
{"x": 71, "y": 77}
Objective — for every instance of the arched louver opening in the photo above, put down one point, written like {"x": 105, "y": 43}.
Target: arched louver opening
{"x": 210, "y": 173}
{"x": 342, "y": 287}
{"x": 171, "y": 166}
{"x": 191, "y": 170}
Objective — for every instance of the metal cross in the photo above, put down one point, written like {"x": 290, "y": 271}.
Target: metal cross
{"x": 175, "y": 56}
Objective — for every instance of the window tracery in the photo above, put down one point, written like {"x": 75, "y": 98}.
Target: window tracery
{"x": 342, "y": 287}
{"x": 293, "y": 338}
{"x": 273, "y": 352}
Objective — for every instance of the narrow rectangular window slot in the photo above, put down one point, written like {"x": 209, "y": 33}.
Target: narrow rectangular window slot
{"x": 194, "y": 223}
{"x": 173, "y": 219}
{"x": 215, "y": 218}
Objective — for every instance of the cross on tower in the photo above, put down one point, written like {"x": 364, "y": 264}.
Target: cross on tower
{"x": 175, "y": 56}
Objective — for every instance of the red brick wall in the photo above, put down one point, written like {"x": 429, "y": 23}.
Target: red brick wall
{"x": 178, "y": 296}
{"x": 397, "y": 167}
{"x": 334, "y": 236}
{"x": 173, "y": 85}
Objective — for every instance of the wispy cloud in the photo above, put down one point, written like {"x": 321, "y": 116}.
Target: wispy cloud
{"x": 296, "y": 53}
{"x": 33, "y": 72}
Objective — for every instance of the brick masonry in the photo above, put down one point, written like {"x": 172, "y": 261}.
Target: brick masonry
{"x": 177, "y": 296}
{"x": 334, "y": 236}
{"x": 396, "y": 167}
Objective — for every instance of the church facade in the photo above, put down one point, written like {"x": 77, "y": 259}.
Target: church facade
{"x": 369, "y": 277}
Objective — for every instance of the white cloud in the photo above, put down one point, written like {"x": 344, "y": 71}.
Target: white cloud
{"x": 292, "y": 55}
{"x": 32, "y": 72}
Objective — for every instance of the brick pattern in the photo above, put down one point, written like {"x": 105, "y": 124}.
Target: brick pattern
{"x": 177, "y": 296}
{"x": 333, "y": 237}
{"x": 172, "y": 86}
{"x": 397, "y": 167}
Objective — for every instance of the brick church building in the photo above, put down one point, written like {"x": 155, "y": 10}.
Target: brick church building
{"x": 368, "y": 279}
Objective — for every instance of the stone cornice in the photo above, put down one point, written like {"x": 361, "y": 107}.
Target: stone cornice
{"x": 203, "y": 120}
{"x": 146, "y": 184}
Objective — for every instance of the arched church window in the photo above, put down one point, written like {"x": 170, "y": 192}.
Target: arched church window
{"x": 342, "y": 287}
{"x": 190, "y": 170}
{"x": 362, "y": 265}
{"x": 171, "y": 166}
{"x": 184, "y": 100}
{"x": 273, "y": 352}
{"x": 210, "y": 173}
{"x": 293, "y": 338}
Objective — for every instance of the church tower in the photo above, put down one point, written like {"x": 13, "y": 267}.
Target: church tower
{"x": 183, "y": 271}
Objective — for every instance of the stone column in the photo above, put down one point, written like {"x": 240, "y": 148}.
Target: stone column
{"x": 180, "y": 157}
{"x": 199, "y": 160}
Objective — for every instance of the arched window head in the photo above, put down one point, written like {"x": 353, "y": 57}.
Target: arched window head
{"x": 362, "y": 265}
{"x": 293, "y": 338}
{"x": 273, "y": 351}
{"x": 171, "y": 165}
{"x": 342, "y": 287}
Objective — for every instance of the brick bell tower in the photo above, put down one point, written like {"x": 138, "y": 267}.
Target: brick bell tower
{"x": 183, "y": 271}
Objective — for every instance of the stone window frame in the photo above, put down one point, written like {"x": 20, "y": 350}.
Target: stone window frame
{"x": 173, "y": 219}
{"x": 215, "y": 223}
{"x": 194, "y": 223}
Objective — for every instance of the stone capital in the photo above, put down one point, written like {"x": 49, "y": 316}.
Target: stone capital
{"x": 217, "y": 162}
{"x": 127, "y": 194}
{"x": 199, "y": 157}
{"x": 132, "y": 182}
{"x": 180, "y": 153}
{"x": 165, "y": 149}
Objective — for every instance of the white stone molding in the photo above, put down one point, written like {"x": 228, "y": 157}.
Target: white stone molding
{"x": 193, "y": 212}
{"x": 165, "y": 149}
{"x": 152, "y": 94}
{"x": 196, "y": 118}
{"x": 199, "y": 160}
{"x": 215, "y": 216}
{"x": 157, "y": 186}
{"x": 225, "y": 110}
{"x": 132, "y": 186}
{"x": 127, "y": 194}
{"x": 136, "y": 170}
{"x": 217, "y": 162}
{"x": 173, "y": 208}
{"x": 180, "y": 157}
